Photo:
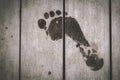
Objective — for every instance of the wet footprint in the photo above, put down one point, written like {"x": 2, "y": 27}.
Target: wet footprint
{"x": 73, "y": 30}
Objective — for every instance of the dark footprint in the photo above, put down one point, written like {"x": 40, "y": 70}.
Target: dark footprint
{"x": 73, "y": 30}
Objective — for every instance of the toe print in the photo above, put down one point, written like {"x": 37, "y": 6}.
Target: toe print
{"x": 52, "y": 14}
{"x": 73, "y": 30}
{"x": 46, "y": 15}
{"x": 42, "y": 23}
{"x": 58, "y": 12}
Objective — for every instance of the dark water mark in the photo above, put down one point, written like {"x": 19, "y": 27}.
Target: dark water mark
{"x": 42, "y": 65}
{"x": 2, "y": 38}
{"x": 11, "y": 36}
{"x": 6, "y": 27}
{"x": 49, "y": 73}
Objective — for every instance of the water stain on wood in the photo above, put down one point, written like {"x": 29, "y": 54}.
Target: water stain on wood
{"x": 42, "y": 65}
{"x": 6, "y": 27}
{"x": 2, "y": 38}
{"x": 49, "y": 72}
{"x": 11, "y": 36}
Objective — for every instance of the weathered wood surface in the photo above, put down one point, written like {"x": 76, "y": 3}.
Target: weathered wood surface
{"x": 116, "y": 39}
{"x": 9, "y": 39}
{"x": 41, "y": 56}
{"x": 93, "y": 18}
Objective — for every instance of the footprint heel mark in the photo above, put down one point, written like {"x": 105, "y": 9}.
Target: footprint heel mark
{"x": 72, "y": 30}
{"x": 94, "y": 62}
{"x": 91, "y": 58}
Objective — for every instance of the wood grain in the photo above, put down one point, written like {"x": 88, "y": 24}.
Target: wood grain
{"x": 9, "y": 39}
{"x": 41, "y": 56}
{"x": 116, "y": 39}
{"x": 93, "y": 18}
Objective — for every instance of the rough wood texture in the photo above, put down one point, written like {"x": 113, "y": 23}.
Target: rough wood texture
{"x": 116, "y": 39}
{"x": 41, "y": 56}
{"x": 93, "y": 18}
{"x": 9, "y": 39}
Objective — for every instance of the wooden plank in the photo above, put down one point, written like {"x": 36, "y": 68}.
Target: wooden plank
{"x": 41, "y": 55}
{"x": 92, "y": 16}
{"x": 9, "y": 39}
{"x": 116, "y": 38}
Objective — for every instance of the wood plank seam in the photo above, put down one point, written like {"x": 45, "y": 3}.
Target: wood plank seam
{"x": 63, "y": 32}
{"x": 20, "y": 25}
{"x": 110, "y": 36}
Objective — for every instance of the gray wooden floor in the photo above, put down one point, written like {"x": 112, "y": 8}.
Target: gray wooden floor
{"x": 42, "y": 58}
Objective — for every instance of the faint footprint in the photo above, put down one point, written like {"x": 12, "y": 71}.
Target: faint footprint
{"x": 73, "y": 30}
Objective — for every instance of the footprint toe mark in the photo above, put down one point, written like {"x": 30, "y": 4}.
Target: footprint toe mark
{"x": 42, "y": 23}
{"x": 58, "y": 12}
{"x": 46, "y": 15}
{"x": 52, "y": 14}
